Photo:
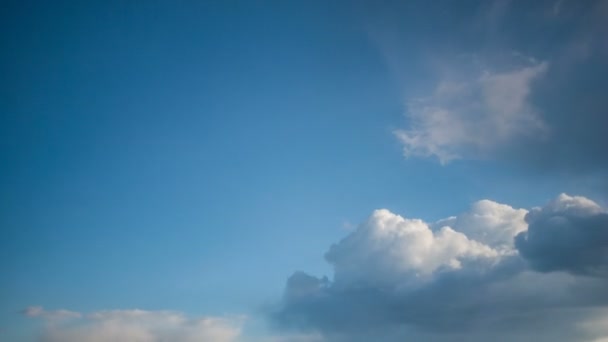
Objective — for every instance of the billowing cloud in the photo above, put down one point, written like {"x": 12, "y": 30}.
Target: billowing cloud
{"x": 134, "y": 325}
{"x": 570, "y": 234}
{"x": 462, "y": 278}
{"x": 389, "y": 246}
{"x": 491, "y": 223}
{"x": 472, "y": 117}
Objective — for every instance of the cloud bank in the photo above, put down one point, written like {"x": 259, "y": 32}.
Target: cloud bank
{"x": 492, "y": 273}
{"x": 133, "y": 326}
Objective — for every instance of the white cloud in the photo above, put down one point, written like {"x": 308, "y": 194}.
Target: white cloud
{"x": 135, "y": 326}
{"x": 389, "y": 246}
{"x": 491, "y": 223}
{"x": 576, "y": 205}
{"x": 474, "y": 116}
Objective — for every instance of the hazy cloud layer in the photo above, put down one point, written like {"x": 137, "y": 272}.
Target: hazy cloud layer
{"x": 133, "y": 325}
{"x": 461, "y": 278}
{"x": 491, "y": 223}
{"x": 55, "y": 315}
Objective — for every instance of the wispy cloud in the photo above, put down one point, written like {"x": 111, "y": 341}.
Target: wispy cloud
{"x": 471, "y": 117}
{"x": 53, "y": 315}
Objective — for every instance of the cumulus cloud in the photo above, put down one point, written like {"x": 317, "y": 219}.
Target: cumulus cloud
{"x": 570, "y": 234}
{"x": 463, "y": 278}
{"x": 134, "y": 325}
{"x": 388, "y": 245}
{"x": 491, "y": 223}
{"x": 471, "y": 117}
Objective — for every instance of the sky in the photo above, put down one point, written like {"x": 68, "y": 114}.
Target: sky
{"x": 304, "y": 171}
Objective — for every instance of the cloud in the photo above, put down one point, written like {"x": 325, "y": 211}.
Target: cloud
{"x": 134, "y": 325}
{"x": 474, "y": 116}
{"x": 491, "y": 223}
{"x": 56, "y": 315}
{"x": 461, "y": 278}
{"x": 597, "y": 326}
{"x": 527, "y": 91}
{"x": 295, "y": 338}
{"x": 388, "y": 245}
{"x": 570, "y": 234}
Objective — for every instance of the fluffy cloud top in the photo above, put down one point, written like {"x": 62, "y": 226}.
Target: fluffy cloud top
{"x": 461, "y": 278}
{"x": 134, "y": 326}
{"x": 490, "y": 223}
{"x": 389, "y": 248}
{"x": 472, "y": 116}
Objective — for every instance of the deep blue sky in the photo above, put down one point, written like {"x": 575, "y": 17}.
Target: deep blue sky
{"x": 191, "y": 155}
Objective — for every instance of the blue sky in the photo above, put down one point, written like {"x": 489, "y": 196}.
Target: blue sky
{"x": 192, "y": 156}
